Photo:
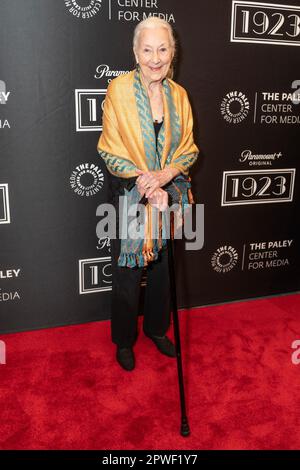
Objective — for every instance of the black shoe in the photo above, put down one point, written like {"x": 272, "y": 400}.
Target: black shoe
{"x": 164, "y": 345}
{"x": 125, "y": 358}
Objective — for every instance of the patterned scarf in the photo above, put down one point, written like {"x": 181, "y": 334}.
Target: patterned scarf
{"x": 128, "y": 142}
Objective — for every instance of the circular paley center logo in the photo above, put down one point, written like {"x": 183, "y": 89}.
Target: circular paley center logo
{"x": 87, "y": 179}
{"x": 83, "y": 9}
{"x": 224, "y": 259}
{"x": 235, "y": 107}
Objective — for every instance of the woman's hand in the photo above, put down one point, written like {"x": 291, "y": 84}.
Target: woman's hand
{"x": 149, "y": 181}
{"x": 140, "y": 189}
{"x": 159, "y": 199}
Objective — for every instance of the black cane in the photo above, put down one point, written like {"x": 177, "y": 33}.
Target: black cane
{"x": 185, "y": 428}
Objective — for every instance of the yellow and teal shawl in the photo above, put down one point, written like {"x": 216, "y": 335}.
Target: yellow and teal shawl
{"x": 128, "y": 142}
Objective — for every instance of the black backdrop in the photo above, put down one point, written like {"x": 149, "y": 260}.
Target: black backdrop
{"x": 239, "y": 62}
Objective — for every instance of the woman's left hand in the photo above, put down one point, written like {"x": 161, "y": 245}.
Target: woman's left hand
{"x": 159, "y": 200}
{"x": 149, "y": 181}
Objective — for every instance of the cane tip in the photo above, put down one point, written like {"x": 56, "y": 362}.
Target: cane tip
{"x": 185, "y": 430}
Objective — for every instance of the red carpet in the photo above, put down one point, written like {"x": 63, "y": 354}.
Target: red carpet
{"x": 62, "y": 389}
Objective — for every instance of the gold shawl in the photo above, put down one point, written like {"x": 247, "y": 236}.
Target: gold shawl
{"x": 128, "y": 141}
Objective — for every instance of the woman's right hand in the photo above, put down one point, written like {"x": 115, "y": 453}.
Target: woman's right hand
{"x": 140, "y": 189}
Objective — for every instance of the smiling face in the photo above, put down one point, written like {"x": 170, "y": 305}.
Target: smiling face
{"x": 154, "y": 53}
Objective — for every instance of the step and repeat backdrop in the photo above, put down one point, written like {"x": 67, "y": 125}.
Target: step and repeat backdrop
{"x": 239, "y": 62}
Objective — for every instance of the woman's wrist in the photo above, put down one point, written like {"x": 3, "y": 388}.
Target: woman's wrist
{"x": 169, "y": 173}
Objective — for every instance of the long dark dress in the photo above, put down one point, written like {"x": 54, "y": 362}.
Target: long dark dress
{"x": 126, "y": 284}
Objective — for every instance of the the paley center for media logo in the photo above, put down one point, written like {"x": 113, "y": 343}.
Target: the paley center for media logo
{"x": 83, "y": 9}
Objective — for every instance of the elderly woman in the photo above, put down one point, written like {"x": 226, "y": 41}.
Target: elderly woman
{"x": 148, "y": 147}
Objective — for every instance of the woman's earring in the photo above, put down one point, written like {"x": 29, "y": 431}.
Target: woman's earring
{"x": 137, "y": 66}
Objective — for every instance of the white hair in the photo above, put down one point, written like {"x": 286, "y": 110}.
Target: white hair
{"x": 153, "y": 22}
